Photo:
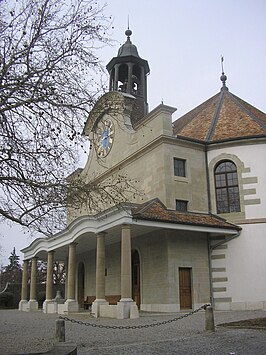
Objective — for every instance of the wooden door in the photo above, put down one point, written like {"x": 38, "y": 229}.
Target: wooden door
{"x": 185, "y": 288}
{"x": 136, "y": 278}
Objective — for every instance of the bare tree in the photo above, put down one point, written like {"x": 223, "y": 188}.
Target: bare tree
{"x": 48, "y": 66}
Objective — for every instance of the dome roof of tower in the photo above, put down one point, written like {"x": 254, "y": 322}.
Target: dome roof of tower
{"x": 128, "y": 49}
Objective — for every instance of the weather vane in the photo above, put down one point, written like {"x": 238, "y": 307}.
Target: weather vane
{"x": 223, "y": 77}
{"x": 222, "y": 65}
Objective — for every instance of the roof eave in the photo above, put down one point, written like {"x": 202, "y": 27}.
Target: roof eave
{"x": 193, "y": 227}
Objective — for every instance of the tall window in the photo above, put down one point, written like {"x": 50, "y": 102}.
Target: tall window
{"x": 179, "y": 167}
{"x": 226, "y": 186}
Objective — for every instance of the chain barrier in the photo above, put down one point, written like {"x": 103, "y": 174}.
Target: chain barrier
{"x": 135, "y": 326}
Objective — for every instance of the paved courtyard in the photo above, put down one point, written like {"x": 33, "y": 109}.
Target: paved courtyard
{"x": 22, "y": 332}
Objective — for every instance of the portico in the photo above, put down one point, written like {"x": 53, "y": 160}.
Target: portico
{"x": 105, "y": 247}
{"x": 84, "y": 238}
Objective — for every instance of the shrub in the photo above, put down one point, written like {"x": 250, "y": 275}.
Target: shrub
{"x": 6, "y": 300}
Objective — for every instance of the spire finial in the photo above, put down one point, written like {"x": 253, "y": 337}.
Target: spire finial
{"x": 128, "y": 32}
{"x": 223, "y": 77}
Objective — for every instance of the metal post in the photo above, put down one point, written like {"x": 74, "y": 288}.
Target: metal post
{"x": 209, "y": 319}
{"x": 60, "y": 330}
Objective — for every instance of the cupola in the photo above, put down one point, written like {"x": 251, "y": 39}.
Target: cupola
{"x": 128, "y": 74}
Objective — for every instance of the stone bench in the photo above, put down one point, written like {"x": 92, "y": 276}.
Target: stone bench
{"x": 112, "y": 299}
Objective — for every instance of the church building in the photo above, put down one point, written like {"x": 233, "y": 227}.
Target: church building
{"x": 191, "y": 230}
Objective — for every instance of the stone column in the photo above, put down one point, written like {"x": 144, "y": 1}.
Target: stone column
{"x": 71, "y": 271}
{"x": 49, "y": 276}
{"x": 33, "y": 304}
{"x": 126, "y": 305}
{"x": 71, "y": 304}
{"x": 49, "y": 284}
{"x": 126, "y": 286}
{"x": 100, "y": 275}
{"x": 100, "y": 267}
{"x": 23, "y": 304}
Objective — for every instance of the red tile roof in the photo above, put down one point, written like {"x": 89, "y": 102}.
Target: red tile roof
{"x": 155, "y": 210}
{"x": 222, "y": 117}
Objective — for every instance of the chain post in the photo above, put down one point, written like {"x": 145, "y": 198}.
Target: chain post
{"x": 60, "y": 330}
{"x": 209, "y": 319}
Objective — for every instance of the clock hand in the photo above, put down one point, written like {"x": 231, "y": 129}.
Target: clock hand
{"x": 107, "y": 136}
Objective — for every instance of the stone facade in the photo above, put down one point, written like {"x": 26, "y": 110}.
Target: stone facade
{"x": 146, "y": 255}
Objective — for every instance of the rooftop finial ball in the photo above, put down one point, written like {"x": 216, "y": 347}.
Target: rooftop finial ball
{"x": 128, "y": 32}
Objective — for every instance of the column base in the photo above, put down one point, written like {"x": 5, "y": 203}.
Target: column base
{"x": 127, "y": 308}
{"x": 23, "y": 306}
{"x": 32, "y": 306}
{"x": 70, "y": 306}
{"x": 95, "y": 308}
{"x": 49, "y": 306}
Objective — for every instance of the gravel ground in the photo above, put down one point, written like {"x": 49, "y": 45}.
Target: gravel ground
{"x": 23, "y": 332}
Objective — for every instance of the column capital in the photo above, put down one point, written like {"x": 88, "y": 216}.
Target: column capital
{"x": 101, "y": 234}
{"x": 126, "y": 226}
{"x": 73, "y": 244}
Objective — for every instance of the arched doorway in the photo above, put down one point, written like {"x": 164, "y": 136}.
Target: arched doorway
{"x": 81, "y": 283}
{"x": 136, "y": 277}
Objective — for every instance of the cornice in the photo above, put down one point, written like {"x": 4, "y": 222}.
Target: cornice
{"x": 237, "y": 142}
{"x": 162, "y": 139}
{"x": 80, "y": 226}
{"x": 250, "y": 221}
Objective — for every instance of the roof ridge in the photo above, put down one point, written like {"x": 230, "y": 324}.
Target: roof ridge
{"x": 237, "y": 100}
{"x": 215, "y": 117}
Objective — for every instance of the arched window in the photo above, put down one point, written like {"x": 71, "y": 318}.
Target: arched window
{"x": 226, "y": 187}
{"x": 123, "y": 78}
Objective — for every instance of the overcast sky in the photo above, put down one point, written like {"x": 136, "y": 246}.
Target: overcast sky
{"x": 183, "y": 41}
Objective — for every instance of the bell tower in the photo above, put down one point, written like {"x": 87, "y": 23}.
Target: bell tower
{"x": 128, "y": 74}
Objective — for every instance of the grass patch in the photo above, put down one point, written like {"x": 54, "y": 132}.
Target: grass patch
{"x": 256, "y": 323}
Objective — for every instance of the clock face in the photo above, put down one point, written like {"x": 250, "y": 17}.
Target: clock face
{"x": 104, "y": 136}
